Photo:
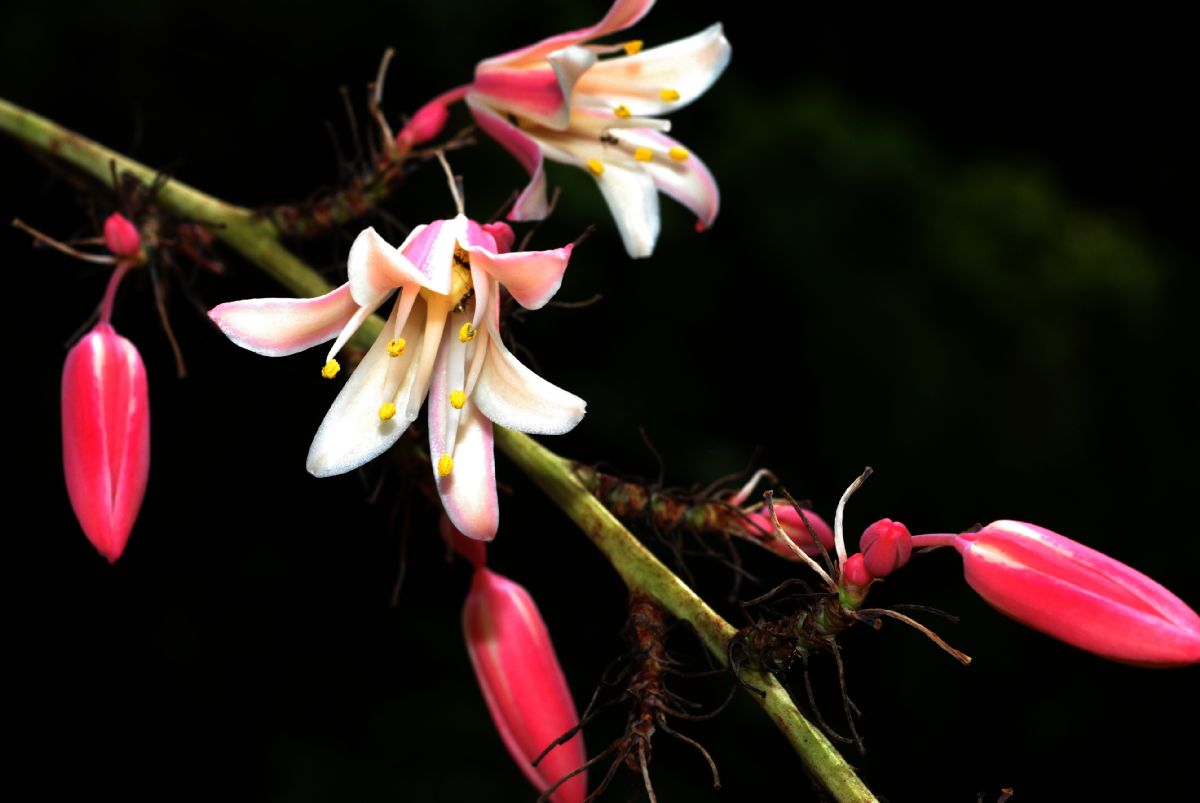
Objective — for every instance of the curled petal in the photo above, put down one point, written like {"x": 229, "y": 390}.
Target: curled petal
{"x": 621, "y": 15}
{"x": 538, "y": 94}
{"x": 686, "y": 180}
{"x": 352, "y": 432}
{"x": 276, "y": 327}
{"x": 106, "y": 437}
{"x": 532, "y": 203}
{"x": 515, "y": 397}
{"x": 685, "y": 69}
{"x": 374, "y": 267}
{"x": 533, "y": 277}
{"x": 430, "y": 249}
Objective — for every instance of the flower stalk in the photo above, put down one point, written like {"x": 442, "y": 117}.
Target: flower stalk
{"x": 257, "y": 239}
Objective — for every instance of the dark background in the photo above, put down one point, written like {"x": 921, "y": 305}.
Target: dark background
{"x": 969, "y": 231}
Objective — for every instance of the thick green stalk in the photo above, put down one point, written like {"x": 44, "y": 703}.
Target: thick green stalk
{"x": 258, "y": 240}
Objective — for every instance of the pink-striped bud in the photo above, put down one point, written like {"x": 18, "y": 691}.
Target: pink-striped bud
{"x": 855, "y": 572}
{"x": 106, "y": 436}
{"x": 1078, "y": 595}
{"x": 121, "y": 237}
{"x": 886, "y": 546}
{"x": 792, "y": 523}
{"x": 423, "y": 126}
{"x": 522, "y": 683}
{"x": 502, "y": 233}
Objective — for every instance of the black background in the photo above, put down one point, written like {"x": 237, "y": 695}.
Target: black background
{"x": 969, "y": 231}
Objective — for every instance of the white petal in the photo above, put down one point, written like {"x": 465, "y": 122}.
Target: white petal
{"x": 375, "y": 267}
{"x": 515, "y": 397}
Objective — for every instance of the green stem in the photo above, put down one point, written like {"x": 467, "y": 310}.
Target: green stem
{"x": 258, "y": 240}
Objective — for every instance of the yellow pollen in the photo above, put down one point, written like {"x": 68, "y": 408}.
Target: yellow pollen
{"x": 396, "y": 347}
{"x": 467, "y": 333}
{"x": 643, "y": 154}
{"x": 669, "y": 95}
{"x": 633, "y": 47}
{"x": 457, "y": 399}
{"x": 623, "y": 112}
{"x": 445, "y": 465}
{"x": 331, "y": 369}
{"x": 678, "y": 154}
{"x": 595, "y": 166}
{"x": 387, "y": 411}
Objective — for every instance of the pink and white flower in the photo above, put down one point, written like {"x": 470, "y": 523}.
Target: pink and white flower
{"x": 559, "y": 99}
{"x": 441, "y": 340}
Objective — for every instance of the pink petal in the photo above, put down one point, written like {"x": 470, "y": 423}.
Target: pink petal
{"x": 106, "y": 437}
{"x": 622, "y": 14}
{"x": 533, "y": 277}
{"x": 540, "y": 94}
{"x": 532, "y": 203}
{"x": 688, "y": 66}
{"x": 374, "y": 267}
{"x": 277, "y": 327}
{"x": 352, "y": 432}
{"x": 515, "y": 397}
{"x": 522, "y": 683}
{"x": 431, "y": 250}
{"x": 688, "y": 181}
{"x": 1078, "y": 595}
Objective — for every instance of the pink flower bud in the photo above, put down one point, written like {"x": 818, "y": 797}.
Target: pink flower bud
{"x": 793, "y": 525}
{"x": 1078, "y": 595}
{"x": 426, "y": 124}
{"x": 886, "y": 546}
{"x": 855, "y": 573}
{"x": 502, "y": 233}
{"x": 106, "y": 436}
{"x": 472, "y": 550}
{"x": 121, "y": 237}
{"x": 522, "y": 683}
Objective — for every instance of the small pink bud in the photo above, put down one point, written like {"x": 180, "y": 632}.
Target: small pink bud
{"x": 106, "y": 436}
{"x": 1078, "y": 595}
{"x": 472, "y": 550}
{"x": 854, "y": 572}
{"x": 522, "y": 683}
{"x": 793, "y": 525}
{"x": 886, "y": 546}
{"x": 121, "y": 237}
{"x": 423, "y": 126}
{"x": 502, "y": 233}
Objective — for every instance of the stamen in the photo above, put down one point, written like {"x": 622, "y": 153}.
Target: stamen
{"x": 678, "y": 154}
{"x": 396, "y": 347}
{"x": 633, "y": 47}
{"x": 387, "y": 411}
{"x": 445, "y": 465}
{"x": 669, "y": 95}
{"x": 466, "y": 333}
{"x": 457, "y": 399}
{"x": 623, "y": 112}
{"x": 331, "y": 369}
{"x": 596, "y": 166}
{"x": 643, "y": 154}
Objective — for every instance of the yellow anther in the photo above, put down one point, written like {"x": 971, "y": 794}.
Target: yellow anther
{"x": 596, "y": 166}
{"x": 457, "y": 399}
{"x": 396, "y": 347}
{"x": 623, "y": 112}
{"x": 331, "y": 369}
{"x": 678, "y": 154}
{"x": 633, "y": 47}
{"x": 445, "y": 465}
{"x": 643, "y": 154}
{"x": 669, "y": 95}
{"x": 466, "y": 333}
{"x": 387, "y": 411}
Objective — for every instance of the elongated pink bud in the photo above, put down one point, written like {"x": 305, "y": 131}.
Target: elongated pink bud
{"x": 522, "y": 683}
{"x": 106, "y": 436}
{"x": 121, "y": 237}
{"x": 793, "y": 525}
{"x": 886, "y": 546}
{"x": 426, "y": 124}
{"x": 1078, "y": 595}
